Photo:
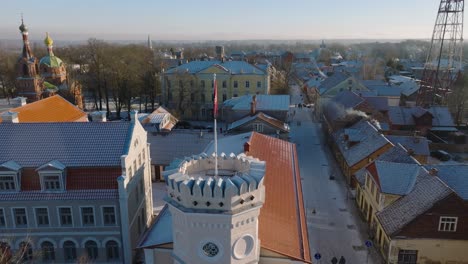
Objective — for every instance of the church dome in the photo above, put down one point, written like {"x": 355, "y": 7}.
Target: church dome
{"x": 23, "y": 27}
{"x": 51, "y": 61}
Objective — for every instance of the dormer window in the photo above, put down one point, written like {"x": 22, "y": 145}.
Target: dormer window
{"x": 10, "y": 177}
{"x": 52, "y": 176}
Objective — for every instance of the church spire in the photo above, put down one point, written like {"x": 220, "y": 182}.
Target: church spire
{"x": 150, "y": 43}
{"x": 27, "y": 53}
{"x": 48, "y": 41}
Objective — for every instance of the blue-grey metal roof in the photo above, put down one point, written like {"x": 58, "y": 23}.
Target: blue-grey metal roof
{"x": 425, "y": 194}
{"x": 386, "y": 90}
{"x": 233, "y": 67}
{"x": 420, "y": 145}
{"x": 160, "y": 232}
{"x": 400, "y": 115}
{"x": 442, "y": 116}
{"x": 332, "y": 81}
{"x": 265, "y": 102}
{"x": 369, "y": 141}
{"x": 73, "y": 144}
{"x": 397, "y": 154}
{"x": 72, "y": 195}
{"x": 396, "y": 178}
{"x": 455, "y": 176}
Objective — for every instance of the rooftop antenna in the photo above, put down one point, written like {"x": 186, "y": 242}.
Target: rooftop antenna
{"x": 215, "y": 115}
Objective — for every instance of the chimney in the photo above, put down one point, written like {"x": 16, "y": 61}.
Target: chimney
{"x": 10, "y": 117}
{"x": 20, "y": 101}
{"x": 246, "y": 147}
{"x": 253, "y": 105}
{"x": 99, "y": 116}
{"x": 410, "y": 152}
{"x": 433, "y": 172}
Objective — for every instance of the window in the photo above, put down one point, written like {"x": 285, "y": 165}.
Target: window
{"x": 108, "y": 215}
{"x": 7, "y": 183}
{"x": 202, "y": 97}
{"x": 139, "y": 159}
{"x": 247, "y": 84}
{"x": 407, "y": 256}
{"x": 134, "y": 166}
{"x": 2, "y": 218}
{"x": 202, "y": 84}
{"x": 377, "y": 196}
{"x": 373, "y": 188}
{"x": 65, "y": 216}
{"x": 91, "y": 249}
{"x": 129, "y": 171}
{"x": 203, "y": 112}
{"x": 19, "y": 215}
{"x": 224, "y": 84}
{"x": 48, "y": 251}
{"x": 236, "y": 84}
{"x": 112, "y": 250}
{"x": 143, "y": 154}
{"x": 224, "y": 97}
{"x": 69, "y": 251}
{"x": 258, "y": 127}
{"x": 259, "y": 84}
{"x": 448, "y": 224}
{"x": 87, "y": 215}
{"x": 51, "y": 182}
{"x": 26, "y": 251}
{"x": 42, "y": 217}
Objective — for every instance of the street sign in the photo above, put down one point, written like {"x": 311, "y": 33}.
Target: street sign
{"x": 317, "y": 256}
{"x": 368, "y": 243}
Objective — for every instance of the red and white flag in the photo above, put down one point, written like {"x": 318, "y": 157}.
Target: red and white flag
{"x": 215, "y": 99}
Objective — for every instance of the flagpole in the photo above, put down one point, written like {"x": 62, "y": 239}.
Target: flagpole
{"x": 215, "y": 114}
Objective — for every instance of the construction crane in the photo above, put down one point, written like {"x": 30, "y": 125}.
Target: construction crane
{"x": 444, "y": 60}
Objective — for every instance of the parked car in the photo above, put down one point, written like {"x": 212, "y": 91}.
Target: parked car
{"x": 441, "y": 155}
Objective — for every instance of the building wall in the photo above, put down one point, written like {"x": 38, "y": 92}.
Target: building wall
{"x": 58, "y": 234}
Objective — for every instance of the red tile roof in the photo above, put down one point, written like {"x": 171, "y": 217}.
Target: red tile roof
{"x": 51, "y": 109}
{"x": 282, "y": 224}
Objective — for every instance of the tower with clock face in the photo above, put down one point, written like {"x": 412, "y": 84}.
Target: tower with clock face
{"x": 215, "y": 217}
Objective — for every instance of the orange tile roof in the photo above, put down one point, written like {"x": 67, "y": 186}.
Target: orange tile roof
{"x": 51, "y": 109}
{"x": 282, "y": 222}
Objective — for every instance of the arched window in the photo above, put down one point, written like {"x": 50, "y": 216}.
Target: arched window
{"x": 69, "y": 250}
{"x": 25, "y": 70}
{"x": 26, "y": 251}
{"x": 112, "y": 250}
{"x": 91, "y": 249}
{"x": 48, "y": 251}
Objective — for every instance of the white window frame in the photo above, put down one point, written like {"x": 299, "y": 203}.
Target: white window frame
{"x": 4, "y": 217}
{"x": 444, "y": 221}
{"x": 35, "y": 216}
{"x": 13, "y": 215}
{"x": 16, "y": 180}
{"x": 115, "y": 215}
{"x": 58, "y": 173}
{"x": 257, "y": 127}
{"x": 81, "y": 216}
{"x": 59, "y": 216}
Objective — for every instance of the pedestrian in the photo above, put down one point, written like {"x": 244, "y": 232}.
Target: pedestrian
{"x": 342, "y": 260}
{"x": 334, "y": 260}
{"x": 220, "y": 130}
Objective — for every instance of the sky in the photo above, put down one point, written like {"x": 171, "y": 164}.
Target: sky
{"x": 220, "y": 20}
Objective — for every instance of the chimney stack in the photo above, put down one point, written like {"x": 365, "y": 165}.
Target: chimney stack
{"x": 253, "y": 105}
{"x": 99, "y": 116}
{"x": 20, "y": 101}
{"x": 10, "y": 117}
{"x": 410, "y": 152}
{"x": 433, "y": 172}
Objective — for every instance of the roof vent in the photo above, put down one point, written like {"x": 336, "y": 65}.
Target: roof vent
{"x": 10, "y": 117}
{"x": 99, "y": 116}
{"x": 433, "y": 172}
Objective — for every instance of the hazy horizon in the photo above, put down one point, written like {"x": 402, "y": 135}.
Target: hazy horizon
{"x": 209, "y": 20}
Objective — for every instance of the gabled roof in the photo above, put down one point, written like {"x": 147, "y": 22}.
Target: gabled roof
{"x": 379, "y": 103}
{"x": 74, "y": 144}
{"x": 397, "y": 154}
{"x": 367, "y": 138}
{"x": 425, "y": 194}
{"x": 282, "y": 221}
{"x": 442, "y": 116}
{"x": 233, "y": 67}
{"x": 11, "y": 165}
{"x": 400, "y": 115}
{"x": 332, "y": 81}
{"x": 265, "y": 102}
{"x": 273, "y": 122}
{"x": 420, "y": 145}
{"x": 50, "y": 109}
{"x": 455, "y": 176}
{"x": 394, "y": 178}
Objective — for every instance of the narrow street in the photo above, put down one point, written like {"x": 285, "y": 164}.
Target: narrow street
{"x": 335, "y": 227}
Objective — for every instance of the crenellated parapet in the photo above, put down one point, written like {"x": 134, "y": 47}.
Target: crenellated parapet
{"x": 239, "y": 184}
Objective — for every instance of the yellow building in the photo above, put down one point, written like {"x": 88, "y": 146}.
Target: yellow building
{"x": 188, "y": 89}
{"x": 415, "y": 218}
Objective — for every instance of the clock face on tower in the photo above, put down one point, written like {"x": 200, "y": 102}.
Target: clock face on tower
{"x": 210, "y": 249}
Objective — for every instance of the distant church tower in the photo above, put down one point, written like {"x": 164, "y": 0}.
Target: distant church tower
{"x": 52, "y": 67}
{"x": 215, "y": 218}
{"x": 150, "y": 43}
{"x": 28, "y": 83}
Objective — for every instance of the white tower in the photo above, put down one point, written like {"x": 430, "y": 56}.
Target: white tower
{"x": 215, "y": 219}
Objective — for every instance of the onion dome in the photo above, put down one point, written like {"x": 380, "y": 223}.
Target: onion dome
{"x": 23, "y": 27}
{"x": 48, "y": 41}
